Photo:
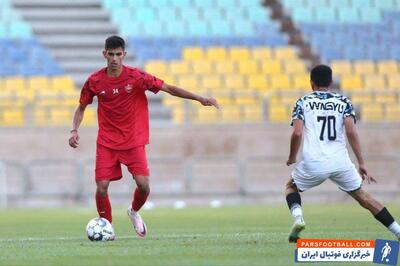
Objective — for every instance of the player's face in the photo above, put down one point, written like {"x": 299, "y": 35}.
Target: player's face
{"x": 114, "y": 58}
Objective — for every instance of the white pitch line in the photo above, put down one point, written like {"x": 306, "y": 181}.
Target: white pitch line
{"x": 40, "y": 239}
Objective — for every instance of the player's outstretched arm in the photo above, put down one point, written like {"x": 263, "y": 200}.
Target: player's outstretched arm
{"x": 295, "y": 141}
{"x": 354, "y": 142}
{"x": 179, "y": 92}
{"x": 78, "y": 116}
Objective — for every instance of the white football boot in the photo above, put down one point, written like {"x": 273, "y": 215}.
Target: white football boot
{"x": 137, "y": 222}
{"x": 298, "y": 226}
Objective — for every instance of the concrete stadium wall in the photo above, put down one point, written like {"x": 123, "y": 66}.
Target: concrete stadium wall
{"x": 266, "y": 145}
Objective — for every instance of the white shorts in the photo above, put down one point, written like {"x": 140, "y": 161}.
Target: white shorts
{"x": 347, "y": 180}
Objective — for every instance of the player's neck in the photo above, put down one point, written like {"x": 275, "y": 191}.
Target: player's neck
{"x": 114, "y": 73}
{"x": 323, "y": 89}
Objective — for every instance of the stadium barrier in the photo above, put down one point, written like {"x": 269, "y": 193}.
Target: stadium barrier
{"x": 56, "y": 181}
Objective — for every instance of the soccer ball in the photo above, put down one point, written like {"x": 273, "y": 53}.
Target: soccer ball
{"x": 99, "y": 229}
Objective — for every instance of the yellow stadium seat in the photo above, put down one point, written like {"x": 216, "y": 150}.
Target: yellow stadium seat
{"x": 246, "y": 99}
{"x": 285, "y": 52}
{"x": 388, "y": 67}
{"x": 392, "y": 112}
{"x": 178, "y": 115}
{"x": 364, "y": 98}
{"x": 39, "y": 83}
{"x": 364, "y": 67}
{"x": 169, "y": 79}
{"x": 341, "y": 67}
{"x": 239, "y": 53}
{"x": 48, "y": 98}
{"x": 207, "y": 115}
{"x": 179, "y": 67}
{"x": 13, "y": 118}
{"x": 41, "y": 117}
{"x": 217, "y": 53}
{"x": 235, "y": 82}
{"x": 281, "y": 82}
{"x": 202, "y": 67}
{"x": 253, "y": 113}
{"x": 247, "y": 67}
{"x": 211, "y": 81}
{"x": 271, "y": 67}
{"x": 374, "y": 82}
{"x": 15, "y": 84}
{"x": 372, "y": 113}
{"x": 157, "y": 67}
{"x": 225, "y": 67}
{"x": 294, "y": 66}
{"x": 301, "y": 81}
{"x": 284, "y": 98}
{"x": 231, "y": 113}
{"x": 172, "y": 101}
{"x": 225, "y": 100}
{"x": 190, "y": 82}
{"x": 261, "y": 53}
{"x": 258, "y": 81}
{"x": 279, "y": 113}
{"x": 386, "y": 98}
{"x": 63, "y": 83}
{"x": 61, "y": 116}
{"x": 393, "y": 82}
{"x": 193, "y": 53}
{"x": 351, "y": 82}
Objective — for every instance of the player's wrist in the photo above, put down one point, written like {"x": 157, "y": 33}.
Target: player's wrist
{"x": 73, "y": 131}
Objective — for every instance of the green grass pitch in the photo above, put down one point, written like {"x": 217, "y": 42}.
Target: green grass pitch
{"x": 234, "y": 235}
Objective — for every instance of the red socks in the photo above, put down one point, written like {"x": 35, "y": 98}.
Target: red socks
{"x": 104, "y": 207}
{"x": 139, "y": 198}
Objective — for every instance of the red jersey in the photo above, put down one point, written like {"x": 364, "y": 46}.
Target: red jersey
{"x": 123, "y": 114}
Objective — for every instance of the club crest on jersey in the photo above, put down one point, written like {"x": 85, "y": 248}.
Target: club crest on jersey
{"x": 128, "y": 88}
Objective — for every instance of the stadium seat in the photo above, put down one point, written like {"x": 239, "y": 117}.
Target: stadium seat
{"x": 202, "y": 67}
{"x": 231, "y": 113}
{"x": 278, "y": 113}
{"x": 364, "y": 67}
{"x": 392, "y": 112}
{"x": 351, "y": 82}
{"x": 372, "y": 113}
{"x": 235, "y": 82}
{"x": 375, "y": 82}
{"x": 253, "y": 113}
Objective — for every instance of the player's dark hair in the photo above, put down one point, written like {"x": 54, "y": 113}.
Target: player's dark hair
{"x": 114, "y": 42}
{"x": 321, "y": 75}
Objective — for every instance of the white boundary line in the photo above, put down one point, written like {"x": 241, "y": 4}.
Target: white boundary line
{"x": 42, "y": 239}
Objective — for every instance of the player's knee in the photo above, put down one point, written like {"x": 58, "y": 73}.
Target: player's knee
{"x": 290, "y": 186}
{"x": 144, "y": 188}
{"x": 102, "y": 189}
{"x": 143, "y": 185}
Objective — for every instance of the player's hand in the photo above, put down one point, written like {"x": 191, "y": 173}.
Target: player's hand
{"x": 364, "y": 174}
{"x": 74, "y": 139}
{"x": 291, "y": 161}
{"x": 209, "y": 102}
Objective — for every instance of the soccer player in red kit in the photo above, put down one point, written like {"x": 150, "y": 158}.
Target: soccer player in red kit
{"x": 123, "y": 120}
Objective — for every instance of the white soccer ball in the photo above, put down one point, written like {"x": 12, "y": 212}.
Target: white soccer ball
{"x": 99, "y": 229}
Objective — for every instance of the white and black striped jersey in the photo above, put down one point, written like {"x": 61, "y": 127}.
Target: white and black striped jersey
{"x": 324, "y": 147}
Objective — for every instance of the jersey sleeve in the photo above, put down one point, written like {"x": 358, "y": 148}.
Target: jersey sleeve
{"x": 150, "y": 82}
{"x": 349, "y": 110}
{"x": 298, "y": 111}
{"x": 87, "y": 93}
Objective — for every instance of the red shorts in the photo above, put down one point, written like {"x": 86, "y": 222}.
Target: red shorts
{"x": 108, "y": 162}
